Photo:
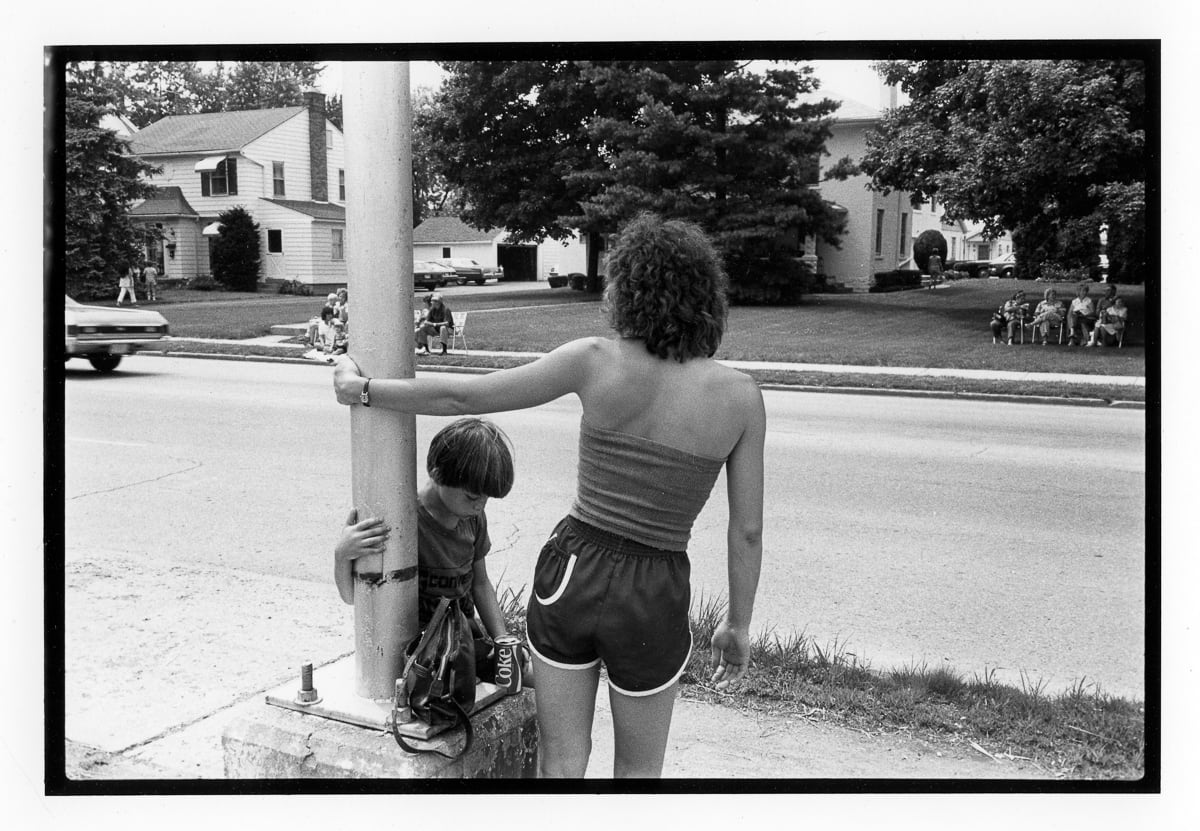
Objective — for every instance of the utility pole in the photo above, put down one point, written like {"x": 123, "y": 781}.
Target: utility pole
{"x": 378, "y": 118}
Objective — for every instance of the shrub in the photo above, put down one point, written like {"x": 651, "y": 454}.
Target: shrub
{"x": 895, "y": 281}
{"x": 1052, "y": 272}
{"x": 927, "y": 243}
{"x": 295, "y": 287}
{"x": 776, "y": 280}
{"x": 204, "y": 282}
{"x": 235, "y": 252}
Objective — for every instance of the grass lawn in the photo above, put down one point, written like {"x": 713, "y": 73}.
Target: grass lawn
{"x": 947, "y": 327}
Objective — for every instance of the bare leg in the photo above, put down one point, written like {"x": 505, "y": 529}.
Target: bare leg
{"x": 566, "y": 704}
{"x": 641, "y": 725}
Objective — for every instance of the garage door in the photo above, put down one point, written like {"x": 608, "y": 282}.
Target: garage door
{"x": 519, "y": 261}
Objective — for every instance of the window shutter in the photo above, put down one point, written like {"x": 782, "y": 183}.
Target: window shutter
{"x": 231, "y": 172}
{"x": 205, "y": 186}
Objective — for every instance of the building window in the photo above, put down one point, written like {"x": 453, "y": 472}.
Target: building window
{"x": 341, "y": 186}
{"x": 277, "y": 176}
{"x": 879, "y": 232}
{"x": 274, "y": 242}
{"x": 933, "y": 205}
{"x": 446, "y": 251}
{"x": 337, "y": 245}
{"x": 220, "y": 182}
{"x": 903, "y": 235}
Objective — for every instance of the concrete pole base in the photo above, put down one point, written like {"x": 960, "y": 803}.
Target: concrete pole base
{"x": 281, "y": 743}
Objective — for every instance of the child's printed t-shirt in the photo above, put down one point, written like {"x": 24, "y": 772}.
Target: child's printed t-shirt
{"x": 446, "y": 561}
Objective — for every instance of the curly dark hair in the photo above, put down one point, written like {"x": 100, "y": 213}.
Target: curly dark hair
{"x": 666, "y": 285}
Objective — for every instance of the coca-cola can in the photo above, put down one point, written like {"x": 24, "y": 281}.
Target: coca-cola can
{"x": 508, "y": 664}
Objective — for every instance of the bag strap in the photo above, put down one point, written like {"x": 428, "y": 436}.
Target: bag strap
{"x": 462, "y": 718}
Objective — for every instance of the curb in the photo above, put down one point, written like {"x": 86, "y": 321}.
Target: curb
{"x": 776, "y": 387}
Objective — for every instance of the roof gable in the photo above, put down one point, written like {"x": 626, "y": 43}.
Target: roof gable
{"x": 451, "y": 229}
{"x": 165, "y": 201}
{"x": 206, "y": 132}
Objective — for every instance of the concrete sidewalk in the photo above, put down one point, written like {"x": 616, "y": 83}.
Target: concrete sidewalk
{"x": 282, "y": 333}
{"x": 148, "y": 699}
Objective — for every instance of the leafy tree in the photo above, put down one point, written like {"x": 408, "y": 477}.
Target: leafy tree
{"x": 333, "y": 110}
{"x": 101, "y": 183}
{"x": 236, "y": 257}
{"x": 256, "y": 85}
{"x": 433, "y": 195}
{"x": 926, "y": 243}
{"x": 146, "y": 91}
{"x": 1051, "y": 150}
{"x": 543, "y": 148}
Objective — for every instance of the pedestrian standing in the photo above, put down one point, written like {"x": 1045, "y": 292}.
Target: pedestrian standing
{"x": 611, "y": 584}
{"x": 935, "y": 269}
{"x": 127, "y": 287}
{"x": 150, "y": 276}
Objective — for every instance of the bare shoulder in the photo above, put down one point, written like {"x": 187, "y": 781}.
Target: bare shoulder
{"x": 738, "y": 384}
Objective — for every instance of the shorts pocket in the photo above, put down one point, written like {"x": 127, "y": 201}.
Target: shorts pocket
{"x": 553, "y": 574}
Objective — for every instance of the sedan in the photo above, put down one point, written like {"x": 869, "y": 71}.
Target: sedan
{"x": 468, "y": 270}
{"x": 1003, "y": 267}
{"x": 104, "y": 335}
{"x": 430, "y": 276}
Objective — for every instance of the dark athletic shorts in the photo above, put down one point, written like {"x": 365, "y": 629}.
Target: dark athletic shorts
{"x": 600, "y": 597}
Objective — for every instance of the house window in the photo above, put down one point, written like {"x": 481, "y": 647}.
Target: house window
{"x": 446, "y": 251}
{"x": 274, "y": 242}
{"x": 277, "y": 176}
{"x": 220, "y": 182}
{"x": 903, "y": 235}
{"x": 341, "y": 186}
{"x": 879, "y": 232}
{"x": 337, "y": 244}
{"x": 933, "y": 205}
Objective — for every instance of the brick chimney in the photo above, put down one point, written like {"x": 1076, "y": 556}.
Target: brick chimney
{"x": 314, "y": 102}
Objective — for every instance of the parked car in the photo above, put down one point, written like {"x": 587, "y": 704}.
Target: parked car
{"x": 104, "y": 334}
{"x": 968, "y": 268}
{"x": 468, "y": 270}
{"x": 1004, "y": 267}
{"x": 430, "y": 276}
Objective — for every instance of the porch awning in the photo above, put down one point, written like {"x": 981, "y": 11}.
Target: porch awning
{"x": 211, "y": 229}
{"x": 209, "y": 163}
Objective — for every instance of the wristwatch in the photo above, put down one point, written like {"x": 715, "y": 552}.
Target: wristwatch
{"x": 365, "y": 395}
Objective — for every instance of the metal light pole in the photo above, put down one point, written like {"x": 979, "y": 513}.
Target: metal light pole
{"x": 379, "y": 225}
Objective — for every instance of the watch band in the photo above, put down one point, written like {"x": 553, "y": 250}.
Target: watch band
{"x": 365, "y": 395}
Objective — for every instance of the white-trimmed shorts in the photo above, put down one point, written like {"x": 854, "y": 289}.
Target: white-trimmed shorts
{"x": 598, "y": 596}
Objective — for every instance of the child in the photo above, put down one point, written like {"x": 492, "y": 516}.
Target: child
{"x": 469, "y": 460}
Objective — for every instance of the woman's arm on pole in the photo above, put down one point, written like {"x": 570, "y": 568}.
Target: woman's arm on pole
{"x": 565, "y": 370}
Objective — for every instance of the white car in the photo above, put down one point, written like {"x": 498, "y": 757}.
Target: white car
{"x": 104, "y": 335}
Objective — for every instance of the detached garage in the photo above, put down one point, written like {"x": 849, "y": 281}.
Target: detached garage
{"x": 449, "y": 236}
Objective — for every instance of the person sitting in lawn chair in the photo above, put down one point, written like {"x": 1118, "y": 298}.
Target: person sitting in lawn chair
{"x": 1048, "y": 313}
{"x": 1110, "y": 324}
{"x": 1009, "y": 316}
{"x": 438, "y": 321}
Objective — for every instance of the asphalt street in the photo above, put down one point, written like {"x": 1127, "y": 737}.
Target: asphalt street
{"x": 203, "y": 499}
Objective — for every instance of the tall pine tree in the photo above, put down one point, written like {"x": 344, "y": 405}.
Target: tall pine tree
{"x": 101, "y": 183}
